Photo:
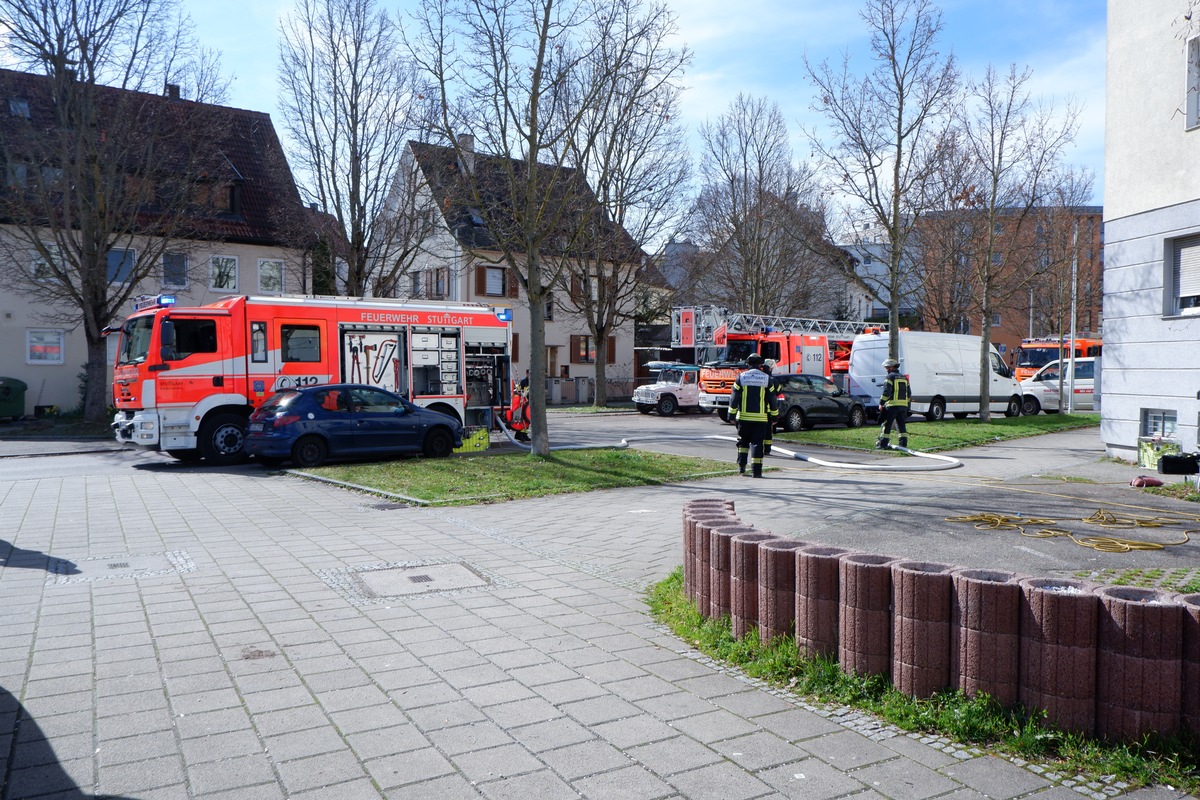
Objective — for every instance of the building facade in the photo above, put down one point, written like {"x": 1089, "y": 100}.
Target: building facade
{"x": 1151, "y": 364}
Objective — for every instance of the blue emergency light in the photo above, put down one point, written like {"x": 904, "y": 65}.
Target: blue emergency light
{"x": 145, "y": 301}
{"x": 504, "y": 314}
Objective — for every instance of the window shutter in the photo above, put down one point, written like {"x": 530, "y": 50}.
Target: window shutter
{"x": 516, "y": 347}
{"x": 1187, "y": 267}
{"x": 576, "y": 346}
{"x": 510, "y": 276}
{"x": 612, "y": 350}
{"x": 576, "y": 289}
{"x": 481, "y": 281}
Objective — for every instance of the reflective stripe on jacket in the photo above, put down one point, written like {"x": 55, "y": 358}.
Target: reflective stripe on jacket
{"x": 752, "y": 399}
{"x": 895, "y": 391}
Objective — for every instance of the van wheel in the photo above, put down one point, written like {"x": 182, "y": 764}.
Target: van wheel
{"x": 937, "y": 410}
{"x": 667, "y": 404}
{"x": 1014, "y": 407}
{"x": 1030, "y": 406}
{"x": 857, "y": 418}
{"x": 223, "y": 439}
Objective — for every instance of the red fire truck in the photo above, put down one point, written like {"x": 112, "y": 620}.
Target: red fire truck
{"x": 723, "y": 339}
{"x": 186, "y": 379}
{"x": 1033, "y": 354}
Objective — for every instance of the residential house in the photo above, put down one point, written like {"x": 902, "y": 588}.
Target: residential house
{"x": 244, "y": 226}
{"x": 1151, "y": 377}
{"x": 465, "y": 261}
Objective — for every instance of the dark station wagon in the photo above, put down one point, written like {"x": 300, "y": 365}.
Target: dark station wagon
{"x": 809, "y": 400}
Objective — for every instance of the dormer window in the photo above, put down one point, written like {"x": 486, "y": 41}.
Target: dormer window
{"x": 18, "y": 107}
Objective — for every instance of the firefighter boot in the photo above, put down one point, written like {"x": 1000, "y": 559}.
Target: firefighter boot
{"x": 904, "y": 441}
{"x": 756, "y": 469}
{"x": 741, "y": 462}
{"x": 883, "y": 444}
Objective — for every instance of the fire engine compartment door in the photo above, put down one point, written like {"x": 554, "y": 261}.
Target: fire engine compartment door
{"x": 379, "y": 358}
{"x": 199, "y": 363}
{"x": 304, "y": 356}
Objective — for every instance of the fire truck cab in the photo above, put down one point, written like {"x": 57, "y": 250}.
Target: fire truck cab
{"x": 187, "y": 378}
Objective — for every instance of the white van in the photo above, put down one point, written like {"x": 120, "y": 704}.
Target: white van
{"x": 943, "y": 374}
{"x": 1040, "y": 392}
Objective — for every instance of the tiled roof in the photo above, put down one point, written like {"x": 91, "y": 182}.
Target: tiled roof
{"x": 479, "y": 224}
{"x": 241, "y": 148}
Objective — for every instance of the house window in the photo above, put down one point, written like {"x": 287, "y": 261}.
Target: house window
{"x": 495, "y": 281}
{"x": 548, "y": 312}
{"x": 415, "y": 291}
{"x": 995, "y": 320}
{"x": 120, "y": 265}
{"x": 270, "y": 276}
{"x": 44, "y": 346}
{"x": 300, "y": 343}
{"x": 1184, "y": 257}
{"x": 175, "y": 275}
{"x": 16, "y": 174}
{"x": 224, "y": 273}
{"x": 1158, "y": 422}
{"x": 18, "y": 107}
{"x": 40, "y": 268}
{"x": 439, "y": 283}
{"x": 583, "y": 350}
{"x": 1192, "y": 102}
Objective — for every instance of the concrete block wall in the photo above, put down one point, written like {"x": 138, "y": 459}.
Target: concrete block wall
{"x": 1114, "y": 662}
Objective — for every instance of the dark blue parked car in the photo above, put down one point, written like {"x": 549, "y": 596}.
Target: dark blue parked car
{"x": 315, "y": 423}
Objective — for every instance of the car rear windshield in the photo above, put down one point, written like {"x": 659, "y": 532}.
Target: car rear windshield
{"x": 281, "y": 400}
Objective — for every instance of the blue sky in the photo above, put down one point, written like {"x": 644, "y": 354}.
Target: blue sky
{"x": 757, "y": 46}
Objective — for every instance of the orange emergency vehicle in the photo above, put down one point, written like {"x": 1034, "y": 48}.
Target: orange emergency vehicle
{"x": 1033, "y": 354}
{"x": 723, "y": 340}
{"x": 187, "y": 378}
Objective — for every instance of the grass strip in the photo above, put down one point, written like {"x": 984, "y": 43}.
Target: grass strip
{"x": 947, "y": 434}
{"x": 468, "y": 479}
{"x": 976, "y": 721}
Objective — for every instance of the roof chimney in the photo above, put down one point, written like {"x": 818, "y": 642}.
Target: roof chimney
{"x": 172, "y": 91}
{"x": 466, "y": 152}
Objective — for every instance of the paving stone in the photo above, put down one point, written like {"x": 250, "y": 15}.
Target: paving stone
{"x": 137, "y": 777}
{"x": 904, "y": 780}
{"x": 919, "y": 752}
{"x": 230, "y": 773}
{"x": 481, "y": 766}
{"x": 812, "y": 780}
{"x": 847, "y": 750}
{"x": 797, "y": 724}
{"x": 723, "y": 781}
{"x": 468, "y": 738}
{"x": 994, "y": 777}
{"x": 543, "y": 785}
{"x": 635, "y": 730}
{"x": 303, "y": 743}
{"x": 553, "y": 733}
{"x": 759, "y": 750}
{"x": 669, "y": 756}
{"x": 387, "y": 741}
{"x": 449, "y": 787}
{"x": 585, "y": 758}
{"x": 631, "y": 783}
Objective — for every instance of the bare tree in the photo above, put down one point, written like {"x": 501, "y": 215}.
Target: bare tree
{"x": 103, "y": 172}
{"x": 351, "y": 101}
{"x": 632, "y": 150}
{"x": 507, "y": 76}
{"x": 758, "y": 219}
{"x": 887, "y": 127}
{"x": 1017, "y": 144}
{"x": 1058, "y": 248}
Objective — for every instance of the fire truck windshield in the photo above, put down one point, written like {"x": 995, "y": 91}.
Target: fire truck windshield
{"x": 135, "y": 339}
{"x": 1038, "y": 356}
{"x": 740, "y": 349}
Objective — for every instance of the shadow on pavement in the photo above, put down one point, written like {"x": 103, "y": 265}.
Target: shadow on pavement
{"x": 29, "y": 767}
{"x": 20, "y": 558}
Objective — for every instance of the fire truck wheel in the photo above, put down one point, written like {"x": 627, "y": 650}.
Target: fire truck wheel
{"x": 309, "y": 451}
{"x": 705, "y": 410}
{"x": 723, "y": 414}
{"x": 189, "y": 456}
{"x": 667, "y": 404}
{"x": 438, "y": 443}
{"x": 223, "y": 439}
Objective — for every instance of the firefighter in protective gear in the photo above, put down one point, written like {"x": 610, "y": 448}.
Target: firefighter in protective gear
{"x": 893, "y": 405}
{"x": 754, "y": 407}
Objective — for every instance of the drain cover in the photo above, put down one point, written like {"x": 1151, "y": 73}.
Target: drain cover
{"x": 380, "y": 583}
{"x": 108, "y": 568}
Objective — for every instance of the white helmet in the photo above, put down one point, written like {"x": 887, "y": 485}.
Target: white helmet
{"x": 891, "y": 363}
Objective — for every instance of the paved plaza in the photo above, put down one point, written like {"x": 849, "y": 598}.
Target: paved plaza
{"x": 178, "y": 632}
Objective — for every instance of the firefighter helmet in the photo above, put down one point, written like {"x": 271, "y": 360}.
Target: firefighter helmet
{"x": 754, "y": 360}
{"x": 891, "y": 363}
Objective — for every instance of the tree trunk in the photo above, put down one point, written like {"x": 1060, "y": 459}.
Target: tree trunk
{"x": 96, "y": 398}
{"x": 601, "y": 398}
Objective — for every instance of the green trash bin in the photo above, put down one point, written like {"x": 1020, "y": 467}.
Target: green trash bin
{"x": 12, "y": 398}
